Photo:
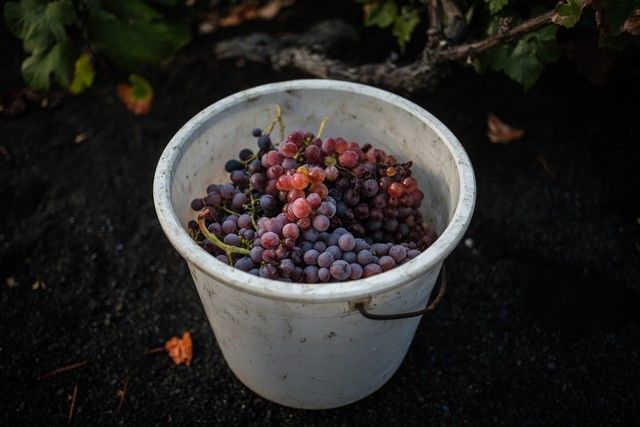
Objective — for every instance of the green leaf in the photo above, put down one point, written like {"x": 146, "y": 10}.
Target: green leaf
{"x": 612, "y": 14}
{"x": 381, "y": 14}
{"x": 568, "y": 13}
{"x": 496, "y": 6}
{"x": 83, "y": 74}
{"x": 404, "y": 25}
{"x": 525, "y": 59}
{"x": 38, "y": 23}
{"x": 37, "y": 68}
{"x": 140, "y": 87}
{"x": 132, "y": 34}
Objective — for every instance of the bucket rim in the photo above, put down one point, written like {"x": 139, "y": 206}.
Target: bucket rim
{"x": 352, "y": 290}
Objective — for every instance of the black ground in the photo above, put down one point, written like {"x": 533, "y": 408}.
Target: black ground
{"x": 541, "y": 323}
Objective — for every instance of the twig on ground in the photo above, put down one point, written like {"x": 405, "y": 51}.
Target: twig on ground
{"x": 64, "y": 369}
{"x": 154, "y": 350}
{"x": 122, "y": 393}
{"x": 73, "y": 403}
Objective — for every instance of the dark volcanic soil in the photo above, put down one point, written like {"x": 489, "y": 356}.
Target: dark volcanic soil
{"x": 541, "y": 323}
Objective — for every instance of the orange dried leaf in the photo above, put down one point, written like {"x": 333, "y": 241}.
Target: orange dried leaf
{"x": 137, "y": 96}
{"x": 501, "y": 133}
{"x": 180, "y": 349}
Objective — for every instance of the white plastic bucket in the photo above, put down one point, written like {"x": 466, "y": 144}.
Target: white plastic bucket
{"x": 306, "y": 345}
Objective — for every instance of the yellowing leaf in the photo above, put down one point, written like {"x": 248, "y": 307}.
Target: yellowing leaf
{"x": 138, "y": 95}
{"x": 83, "y": 75}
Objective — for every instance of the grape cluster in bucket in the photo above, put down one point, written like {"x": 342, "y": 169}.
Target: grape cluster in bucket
{"x": 312, "y": 210}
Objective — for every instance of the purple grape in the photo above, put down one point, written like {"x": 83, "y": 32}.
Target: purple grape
{"x": 320, "y": 246}
{"x": 360, "y": 245}
{"x": 335, "y": 251}
{"x": 269, "y": 271}
{"x": 340, "y": 270}
{"x": 370, "y": 187}
{"x": 386, "y": 263}
{"x": 346, "y": 242}
{"x": 398, "y": 253}
{"x": 228, "y": 226}
{"x": 197, "y": 204}
{"x": 327, "y": 209}
{"x": 325, "y": 259}
{"x": 371, "y": 270}
{"x": 291, "y": 231}
{"x": 213, "y": 199}
{"x": 227, "y": 191}
{"x": 323, "y": 274}
{"x": 269, "y": 240}
{"x": 245, "y": 264}
{"x": 321, "y": 222}
{"x": 287, "y": 268}
{"x": 215, "y": 229}
{"x": 311, "y": 274}
{"x": 349, "y": 257}
{"x": 256, "y": 253}
{"x": 379, "y": 249}
{"x": 306, "y": 246}
{"x": 238, "y": 200}
{"x": 311, "y": 257}
{"x": 356, "y": 271}
{"x": 413, "y": 253}
{"x": 310, "y": 235}
{"x": 364, "y": 256}
{"x": 232, "y": 239}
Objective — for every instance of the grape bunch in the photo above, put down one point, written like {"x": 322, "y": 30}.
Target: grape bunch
{"x": 312, "y": 210}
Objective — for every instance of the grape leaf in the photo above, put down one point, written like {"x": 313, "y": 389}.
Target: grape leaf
{"x": 611, "y": 15}
{"x": 496, "y": 6}
{"x": 41, "y": 27}
{"x": 404, "y": 25}
{"x": 381, "y": 14}
{"x": 83, "y": 75}
{"x": 523, "y": 60}
{"x": 35, "y": 21}
{"x": 568, "y": 13}
{"x": 133, "y": 34}
{"x": 37, "y": 68}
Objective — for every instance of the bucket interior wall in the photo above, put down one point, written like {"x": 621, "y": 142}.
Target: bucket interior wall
{"x": 351, "y": 116}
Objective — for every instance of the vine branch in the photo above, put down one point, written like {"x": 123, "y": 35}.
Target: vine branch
{"x": 286, "y": 51}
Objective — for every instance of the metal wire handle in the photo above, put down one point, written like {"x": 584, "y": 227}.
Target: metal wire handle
{"x": 428, "y": 308}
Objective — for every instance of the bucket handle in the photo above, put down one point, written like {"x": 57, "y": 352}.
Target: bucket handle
{"x": 428, "y": 308}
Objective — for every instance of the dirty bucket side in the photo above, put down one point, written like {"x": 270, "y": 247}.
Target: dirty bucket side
{"x": 311, "y": 356}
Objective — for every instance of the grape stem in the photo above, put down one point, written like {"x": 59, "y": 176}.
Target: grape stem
{"x": 229, "y": 211}
{"x": 228, "y": 249}
{"x": 276, "y": 119}
{"x": 323, "y": 123}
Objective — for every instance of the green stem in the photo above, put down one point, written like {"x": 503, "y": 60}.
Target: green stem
{"x": 323, "y": 123}
{"x": 276, "y": 119}
{"x": 228, "y": 249}
{"x": 229, "y": 211}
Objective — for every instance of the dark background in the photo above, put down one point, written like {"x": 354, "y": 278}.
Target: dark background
{"x": 540, "y": 323}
